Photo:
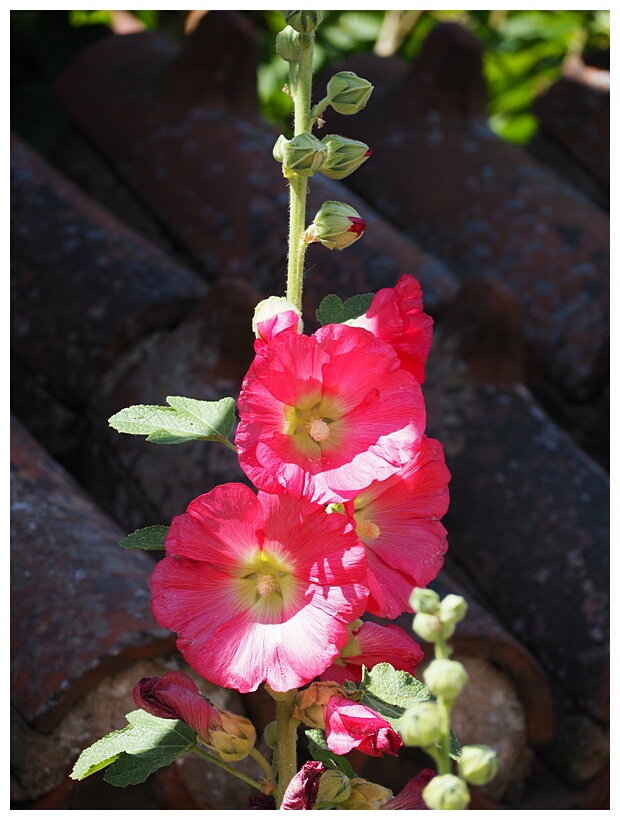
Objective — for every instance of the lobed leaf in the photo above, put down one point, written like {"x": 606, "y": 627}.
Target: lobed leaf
{"x": 147, "y": 538}
{"x": 185, "y": 420}
{"x": 132, "y": 754}
{"x": 333, "y": 310}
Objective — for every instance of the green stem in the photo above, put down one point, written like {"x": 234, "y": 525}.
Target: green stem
{"x": 228, "y": 768}
{"x": 258, "y": 757}
{"x": 287, "y": 744}
{"x": 443, "y": 760}
{"x": 302, "y": 96}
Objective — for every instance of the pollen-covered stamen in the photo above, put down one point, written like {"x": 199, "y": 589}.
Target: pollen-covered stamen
{"x": 367, "y": 530}
{"x": 317, "y": 428}
{"x": 265, "y": 584}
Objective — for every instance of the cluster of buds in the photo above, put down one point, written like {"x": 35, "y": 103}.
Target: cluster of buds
{"x": 336, "y": 225}
{"x": 425, "y": 724}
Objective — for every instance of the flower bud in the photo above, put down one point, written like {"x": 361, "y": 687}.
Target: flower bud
{"x": 343, "y": 156}
{"x": 347, "y": 93}
{"x": 477, "y": 764}
{"x": 273, "y": 315}
{"x": 336, "y": 225}
{"x": 287, "y": 45}
{"x": 365, "y": 795}
{"x": 309, "y": 704}
{"x": 334, "y": 787}
{"x": 270, "y": 735}
{"x": 236, "y": 738}
{"x": 445, "y": 678}
{"x": 427, "y": 626}
{"x": 303, "y": 155}
{"x": 446, "y": 791}
{"x": 452, "y": 609}
{"x": 424, "y": 600}
{"x": 421, "y": 725}
{"x": 303, "y": 21}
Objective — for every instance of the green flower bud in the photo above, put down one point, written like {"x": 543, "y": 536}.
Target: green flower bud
{"x": 453, "y": 609}
{"x": 343, "y": 156}
{"x": 235, "y": 740}
{"x": 424, "y": 600}
{"x": 477, "y": 764}
{"x": 303, "y": 155}
{"x": 287, "y": 45}
{"x": 336, "y": 225}
{"x": 334, "y": 786}
{"x": 270, "y": 735}
{"x": 365, "y": 796}
{"x": 445, "y": 678}
{"x": 446, "y": 791}
{"x": 303, "y": 21}
{"x": 421, "y": 725}
{"x": 347, "y": 93}
{"x": 427, "y": 626}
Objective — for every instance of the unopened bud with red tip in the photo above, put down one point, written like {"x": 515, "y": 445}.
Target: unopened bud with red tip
{"x": 344, "y": 156}
{"x": 336, "y": 225}
{"x": 446, "y": 791}
{"x": 347, "y": 93}
{"x": 477, "y": 764}
{"x": 303, "y": 21}
{"x": 287, "y": 45}
{"x": 302, "y": 155}
{"x": 273, "y": 316}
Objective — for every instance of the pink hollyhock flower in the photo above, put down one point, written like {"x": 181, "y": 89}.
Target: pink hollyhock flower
{"x": 176, "y": 696}
{"x": 259, "y": 588}
{"x": 351, "y": 725}
{"x": 396, "y": 316}
{"x": 411, "y": 796}
{"x": 303, "y": 790}
{"x": 397, "y": 521}
{"x": 370, "y": 644}
{"x": 323, "y": 416}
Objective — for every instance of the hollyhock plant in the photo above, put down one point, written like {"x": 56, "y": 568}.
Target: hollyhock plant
{"x": 398, "y": 522}
{"x": 370, "y": 644}
{"x": 259, "y": 588}
{"x": 323, "y": 416}
{"x": 351, "y": 725}
{"x": 396, "y": 315}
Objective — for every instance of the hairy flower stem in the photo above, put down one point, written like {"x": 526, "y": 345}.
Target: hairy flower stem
{"x": 287, "y": 743}
{"x": 301, "y": 89}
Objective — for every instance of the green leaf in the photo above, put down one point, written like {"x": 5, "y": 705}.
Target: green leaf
{"x": 147, "y": 538}
{"x": 389, "y": 692}
{"x": 333, "y": 310}
{"x": 135, "y": 752}
{"x": 317, "y": 746}
{"x": 185, "y": 420}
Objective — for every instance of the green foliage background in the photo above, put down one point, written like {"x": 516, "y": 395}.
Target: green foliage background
{"x": 523, "y": 55}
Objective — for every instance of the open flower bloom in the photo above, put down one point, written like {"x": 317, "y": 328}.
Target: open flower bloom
{"x": 398, "y": 522}
{"x": 259, "y": 588}
{"x": 370, "y": 644}
{"x": 411, "y": 796}
{"x": 396, "y": 316}
{"x": 323, "y": 416}
{"x": 351, "y": 725}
